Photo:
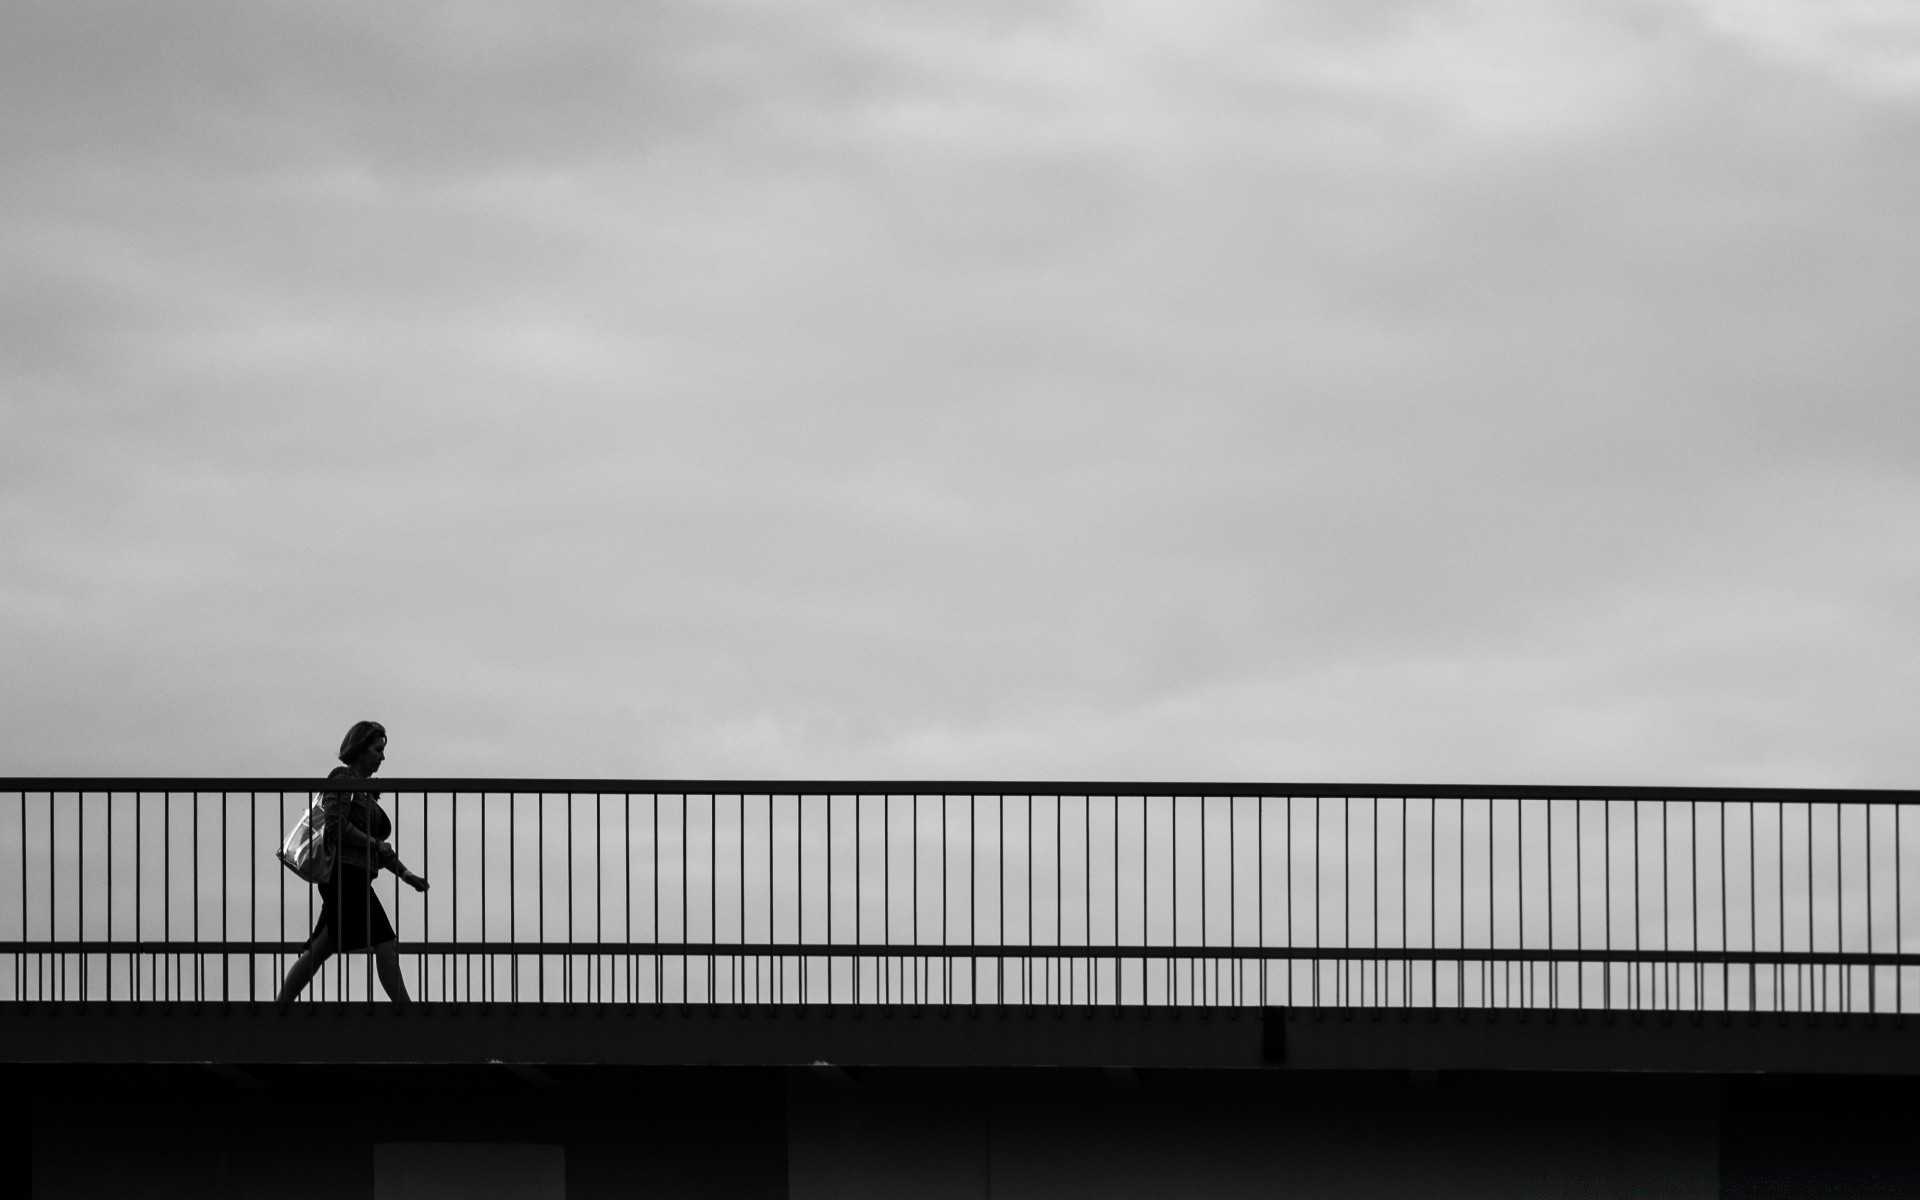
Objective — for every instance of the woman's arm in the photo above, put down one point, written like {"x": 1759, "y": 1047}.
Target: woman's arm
{"x": 339, "y": 810}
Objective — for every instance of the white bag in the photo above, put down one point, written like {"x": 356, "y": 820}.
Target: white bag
{"x": 306, "y": 852}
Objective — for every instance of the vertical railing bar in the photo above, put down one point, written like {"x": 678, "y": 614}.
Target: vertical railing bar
{"x": 393, "y": 884}
{"x": 918, "y": 990}
{"x": 1753, "y": 901}
{"x": 884, "y": 965}
{"x": 942, "y": 967}
{"x": 80, "y": 882}
{"x": 1726, "y": 996}
{"x": 253, "y": 890}
{"x": 1811, "y": 943}
{"x": 1347, "y": 969}
{"x": 1663, "y": 994}
{"x": 199, "y": 958}
{"x": 373, "y": 876}
{"x": 1579, "y": 901}
{"x": 50, "y": 986}
{"x": 1633, "y": 979}
{"x": 1000, "y": 904}
{"x": 1553, "y": 969}
{"x": 539, "y": 893}
{"x": 1433, "y": 898}
{"x": 973, "y": 898}
{"x": 1780, "y": 906}
{"x": 686, "y": 905}
{"x": 598, "y": 980}
{"x": 108, "y": 965}
{"x": 486, "y": 957}
{"x": 1693, "y": 895}
{"x": 776, "y": 966}
{"x": 57, "y": 990}
{"x": 1120, "y": 970}
{"x": 1873, "y": 980}
{"x": 1027, "y": 963}
{"x": 800, "y": 884}
{"x": 1376, "y": 969}
{"x": 168, "y": 975}
{"x": 1406, "y": 940}
{"x": 225, "y": 990}
{"x": 630, "y": 973}
{"x": 913, "y": 966}
{"x": 20, "y": 968}
{"x": 568, "y": 960}
{"x": 827, "y": 883}
{"x": 280, "y": 962}
{"x": 739, "y": 978}
{"x": 23, "y": 967}
{"x": 1173, "y": 964}
{"x": 1197, "y": 995}
{"x": 1843, "y": 976}
{"x": 1317, "y": 844}
{"x": 659, "y": 962}
{"x": 422, "y": 967}
{"x": 1086, "y": 884}
{"x": 1260, "y": 887}
{"x": 946, "y": 970}
{"x": 450, "y": 967}
{"x": 1059, "y": 978}
{"x": 1234, "y": 976}
{"x": 1493, "y": 973}
{"x": 1606, "y": 842}
{"x": 713, "y": 892}
{"x": 859, "y": 892}
{"x": 1523, "y": 970}
{"x": 44, "y": 962}
{"x": 1510, "y": 975}
{"x": 1515, "y": 975}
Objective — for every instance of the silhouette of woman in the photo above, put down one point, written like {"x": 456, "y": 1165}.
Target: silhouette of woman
{"x": 351, "y": 916}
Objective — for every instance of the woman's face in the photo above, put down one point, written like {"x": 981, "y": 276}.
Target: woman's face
{"x": 373, "y": 755}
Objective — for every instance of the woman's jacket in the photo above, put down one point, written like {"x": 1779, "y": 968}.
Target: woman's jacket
{"x": 358, "y": 828}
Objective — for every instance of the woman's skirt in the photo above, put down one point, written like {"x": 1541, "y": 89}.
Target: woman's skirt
{"x": 349, "y": 908}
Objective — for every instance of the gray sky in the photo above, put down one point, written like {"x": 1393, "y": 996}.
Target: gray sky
{"x": 1426, "y": 391}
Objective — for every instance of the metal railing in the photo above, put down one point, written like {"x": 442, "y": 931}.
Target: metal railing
{"x": 698, "y": 892}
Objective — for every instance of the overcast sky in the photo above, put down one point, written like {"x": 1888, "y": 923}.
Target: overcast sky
{"x": 1465, "y": 392}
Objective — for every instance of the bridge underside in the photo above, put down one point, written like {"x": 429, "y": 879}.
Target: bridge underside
{"x": 316, "y": 1132}
{"x": 902, "y": 1036}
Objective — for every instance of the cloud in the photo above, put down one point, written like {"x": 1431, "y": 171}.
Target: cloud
{"x": 1871, "y": 45}
{"x": 1478, "y": 390}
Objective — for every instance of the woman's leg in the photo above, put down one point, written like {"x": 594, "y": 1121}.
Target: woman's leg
{"x": 302, "y": 971}
{"x": 386, "y": 960}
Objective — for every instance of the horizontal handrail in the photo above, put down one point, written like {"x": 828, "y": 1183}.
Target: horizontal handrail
{"x": 460, "y": 785}
{"x": 843, "y": 950}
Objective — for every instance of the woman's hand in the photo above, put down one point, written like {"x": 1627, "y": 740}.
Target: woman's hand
{"x": 413, "y": 881}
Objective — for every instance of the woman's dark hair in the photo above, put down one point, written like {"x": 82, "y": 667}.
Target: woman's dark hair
{"x": 362, "y": 735}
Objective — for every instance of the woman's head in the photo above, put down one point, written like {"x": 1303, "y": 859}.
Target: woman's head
{"x": 365, "y": 745}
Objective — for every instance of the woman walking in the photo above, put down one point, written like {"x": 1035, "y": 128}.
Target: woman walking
{"x": 351, "y": 916}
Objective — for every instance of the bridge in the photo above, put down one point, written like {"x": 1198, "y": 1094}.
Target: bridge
{"x": 855, "y": 988}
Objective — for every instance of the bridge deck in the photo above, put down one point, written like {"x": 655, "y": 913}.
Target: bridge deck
{"x": 907, "y": 1036}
